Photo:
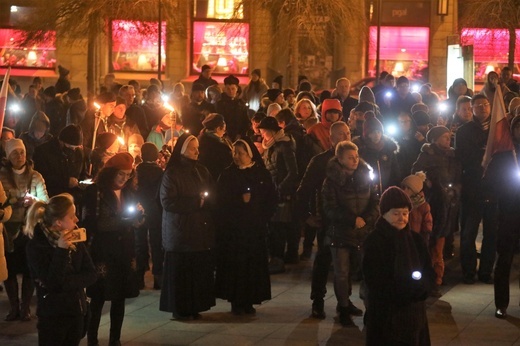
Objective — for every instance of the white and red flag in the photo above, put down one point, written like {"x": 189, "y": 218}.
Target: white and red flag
{"x": 500, "y": 138}
{"x": 3, "y": 96}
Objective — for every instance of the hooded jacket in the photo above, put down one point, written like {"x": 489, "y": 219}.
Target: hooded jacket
{"x": 28, "y": 138}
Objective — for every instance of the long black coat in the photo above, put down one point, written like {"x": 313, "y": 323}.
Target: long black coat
{"x": 242, "y": 264}
{"x": 443, "y": 171}
{"x": 186, "y": 226}
{"x": 112, "y": 243}
{"x": 395, "y": 302}
{"x": 235, "y": 115}
{"x": 193, "y": 115}
{"x": 344, "y": 199}
{"x": 60, "y": 276}
{"x": 149, "y": 176}
{"x": 214, "y": 154}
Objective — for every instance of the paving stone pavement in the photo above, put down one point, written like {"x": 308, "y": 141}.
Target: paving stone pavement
{"x": 464, "y": 315}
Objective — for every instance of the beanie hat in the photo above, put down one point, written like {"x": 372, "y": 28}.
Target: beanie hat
{"x": 288, "y": 91}
{"x": 136, "y": 139}
{"x": 371, "y": 124}
{"x": 330, "y": 104}
{"x": 394, "y": 197}
{"x": 402, "y": 80}
{"x": 198, "y": 87}
{"x": 435, "y": 132}
{"x": 415, "y": 182}
{"x": 269, "y": 123}
{"x": 325, "y": 94}
{"x": 62, "y": 71}
{"x": 258, "y": 72}
{"x": 305, "y": 86}
{"x": 272, "y": 94}
{"x": 364, "y": 107}
{"x": 421, "y": 118}
{"x": 366, "y": 95}
{"x": 229, "y": 80}
{"x": 71, "y": 135}
{"x": 12, "y": 145}
{"x": 105, "y": 140}
{"x": 50, "y": 91}
{"x": 306, "y": 94}
{"x": 149, "y": 152}
{"x": 301, "y": 78}
{"x": 106, "y": 97}
{"x": 205, "y": 67}
{"x": 120, "y": 161}
{"x": 213, "y": 120}
{"x": 420, "y": 107}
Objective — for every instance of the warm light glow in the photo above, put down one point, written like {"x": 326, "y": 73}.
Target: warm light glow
{"x": 490, "y": 68}
{"x": 222, "y": 62}
{"x": 399, "y": 67}
{"x": 168, "y": 107}
{"x": 97, "y": 106}
{"x": 32, "y": 56}
{"x": 121, "y": 140}
{"x": 14, "y": 9}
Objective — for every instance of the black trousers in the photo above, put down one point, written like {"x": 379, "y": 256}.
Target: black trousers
{"x": 320, "y": 268}
{"x": 117, "y": 314}
{"x": 62, "y": 330}
{"x": 149, "y": 240}
{"x": 508, "y": 236}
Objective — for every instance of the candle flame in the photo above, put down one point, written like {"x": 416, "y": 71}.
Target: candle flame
{"x": 168, "y": 107}
{"x": 121, "y": 140}
{"x": 97, "y": 106}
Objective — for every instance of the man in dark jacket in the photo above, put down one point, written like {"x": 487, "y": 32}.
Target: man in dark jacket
{"x": 310, "y": 208}
{"x": 61, "y": 162}
{"x": 350, "y": 206}
{"x": 233, "y": 109}
{"x": 196, "y": 111}
{"x": 477, "y": 204}
{"x": 205, "y": 77}
{"x": 348, "y": 103}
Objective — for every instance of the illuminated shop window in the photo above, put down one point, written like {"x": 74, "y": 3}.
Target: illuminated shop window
{"x": 223, "y": 46}
{"x": 403, "y": 51}
{"x": 135, "y": 46}
{"x": 217, "y": 9}
{"x": 41, "y": 55}
{"x": 490, "y": 50}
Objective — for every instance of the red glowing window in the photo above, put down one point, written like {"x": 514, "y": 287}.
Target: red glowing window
{"x": 41, "y": 55}
{"x": 135, "y": 46}
{"x": 403, "y": 50}
{"x": 223, "y": 46}
{"x": 490, "y": 45}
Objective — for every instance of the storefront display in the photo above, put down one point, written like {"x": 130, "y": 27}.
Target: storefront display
{"x": 403, "y": 50}
{"x": 135, "y": 46}
{"x": 217, "y": 9}
{"x": 40, "y": 56}
{"x": 490, "y": 50}
{"x": 221, "y": 45}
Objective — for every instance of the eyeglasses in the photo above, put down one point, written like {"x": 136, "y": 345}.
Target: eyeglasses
{"x": 482, "y": 105}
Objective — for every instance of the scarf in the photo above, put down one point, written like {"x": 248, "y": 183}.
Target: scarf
{"x": 406, "y": 258}
{"x": 417, "y": 199}
{"x": 54, "y": 236}
{"x": 277, "y": 137}
{"x": 484, "y": 125}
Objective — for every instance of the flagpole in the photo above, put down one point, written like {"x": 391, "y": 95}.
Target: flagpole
{"x": 3, "y": 95}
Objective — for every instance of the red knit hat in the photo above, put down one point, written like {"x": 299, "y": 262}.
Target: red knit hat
{"x": 121, "y": 161}
{"x": 371, "y": 124}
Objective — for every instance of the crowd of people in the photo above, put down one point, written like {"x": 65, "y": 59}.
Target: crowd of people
{"x": 216, "y": 188}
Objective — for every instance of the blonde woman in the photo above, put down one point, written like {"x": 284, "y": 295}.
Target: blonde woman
{"x": 305, "y": 112}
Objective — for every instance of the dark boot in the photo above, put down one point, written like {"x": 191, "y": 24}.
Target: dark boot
{"x": 344, "y": 317}
{"x": 318, "y": 309}
{"x": 157, "y": 280}
{"x": 11, "y": 288}
{"x": 27, "y": 293}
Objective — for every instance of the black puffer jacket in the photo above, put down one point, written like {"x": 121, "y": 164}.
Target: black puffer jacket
{"x": 280, "y": 161}
{"x": 344, "y": 199}
{"x": 386, "y": 157}
{"x": 61, "y": 277}
{"x": 186, "y": 226}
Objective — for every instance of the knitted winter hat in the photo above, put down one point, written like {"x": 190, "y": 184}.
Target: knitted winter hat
{"x": 149, "y": 152}
{"x": 415, "y": 182}
{"x": 229, "y": 80}
{"x": 198, "y": 87}
{"x": 421, "y": 118}
{"x": 71, "y": 135}
{"x": 272, "y": 94}
{"x": 12, "y": 145}
{"x": 392, "y": 198}
{"x": 105, "y": 140}
{"x": 435, "y": 132}
{"x": 366, "y": 95}
{"x": 371, "y": 124}
{"x": 136, "y": 139}
{"x": 121, "y": 161}
{"x": 269, "y": 123}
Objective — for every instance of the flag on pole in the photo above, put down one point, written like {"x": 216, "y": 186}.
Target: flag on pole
{"x": 3, "y": 96}
{"x": 500, "y": 139}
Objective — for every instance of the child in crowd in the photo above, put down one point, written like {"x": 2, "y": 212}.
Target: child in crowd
{"x": 421, "y": 220}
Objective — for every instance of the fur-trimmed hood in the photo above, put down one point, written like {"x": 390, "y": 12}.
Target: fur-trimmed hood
{"x": 337, "y": 174}
{"x": 389, "y": 144}
{"x": 433, "y": 149}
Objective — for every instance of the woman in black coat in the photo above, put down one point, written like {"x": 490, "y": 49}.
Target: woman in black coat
{"x": 187, "y": 231}
{"x": 61, "y": 269}
{"x": 110, "y": 215}
{"x": 398, "y": 275}
{"x": 246, "y": 200}
{"x": 215, "y": 149}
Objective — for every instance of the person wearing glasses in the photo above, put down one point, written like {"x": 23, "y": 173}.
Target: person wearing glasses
{"x": 477, "y": 202}
{"x": 110, "y": 215}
